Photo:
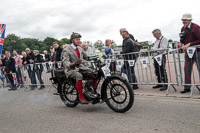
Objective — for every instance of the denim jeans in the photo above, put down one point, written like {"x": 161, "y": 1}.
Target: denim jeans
{"x": 2, "y": 78}
{"x": 130, "y": 72}
{"x": 7, "y": 80}
{"x": 31, "y": 75}
{"x": 39, "y": 76}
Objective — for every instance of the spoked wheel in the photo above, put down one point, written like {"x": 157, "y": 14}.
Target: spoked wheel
{"x": 69, "y": 94}
{"x": 119, "y": 95}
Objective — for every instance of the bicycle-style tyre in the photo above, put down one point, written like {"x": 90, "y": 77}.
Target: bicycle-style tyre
{"x": 119, "y": 95}
{"x": 69, "y": 94}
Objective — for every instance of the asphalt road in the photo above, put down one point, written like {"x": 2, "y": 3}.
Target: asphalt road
{"x": 41, "y": 112}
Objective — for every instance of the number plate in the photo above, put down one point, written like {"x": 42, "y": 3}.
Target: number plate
{"x": 106, "y": 71}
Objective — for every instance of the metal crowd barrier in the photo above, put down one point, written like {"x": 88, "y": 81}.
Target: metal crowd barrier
{"x": 31, "y": 75}
{"x": 190, "y": 74}
{"x": 138, "y": 67}
{"x": 141, "y": 64}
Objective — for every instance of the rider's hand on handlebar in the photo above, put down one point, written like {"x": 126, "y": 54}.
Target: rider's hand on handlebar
{"x": 72, "y": 65}
{"x": 78, "y": 62}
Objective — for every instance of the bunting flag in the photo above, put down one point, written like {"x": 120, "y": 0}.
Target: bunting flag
{"x": 120, "y": 63}
{"x": 26, "y": 67}
{"x": 31, "y": 65}
{"x": 44, "y": 66}
{"x": 131, "y": 62}
{"x": 38, "y": 66}
{"x": 59, "y": 65}
{"x": 144, "y": 62}
{"x": 16, "y": 67}
{"x": 170, "y": 50}
{"x": 158, "y": 58}
{"x": 2, "y": 34}
{"x": 108, "y": 61}
{"x": 51, "y": 65}
{"x": 14, "y": 78}
{"x": 190, "y": 51}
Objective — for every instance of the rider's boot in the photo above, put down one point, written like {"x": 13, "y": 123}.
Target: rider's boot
{"x": 94, "y": 94}
{"x": 94, "y": 85}
{"x": 80, "y": 92}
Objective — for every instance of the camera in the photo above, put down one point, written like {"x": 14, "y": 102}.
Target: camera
{"x": 182, "y": 35}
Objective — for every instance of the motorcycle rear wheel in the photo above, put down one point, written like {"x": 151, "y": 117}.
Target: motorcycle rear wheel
{"x": 69, "y": 94}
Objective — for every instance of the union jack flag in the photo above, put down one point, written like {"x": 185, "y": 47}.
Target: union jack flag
{"x": 2, "y": 34}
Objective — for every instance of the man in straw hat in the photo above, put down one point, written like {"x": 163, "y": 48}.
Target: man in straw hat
{"x": 190, "y": 36}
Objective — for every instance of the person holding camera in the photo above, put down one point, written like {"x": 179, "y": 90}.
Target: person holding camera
{"x": 190, "y": 36}
{"x": 110, "y": 54}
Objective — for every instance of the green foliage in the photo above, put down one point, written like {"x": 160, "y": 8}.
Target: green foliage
{"x": 89, "y": 44}
{"x": 31, "y": 43}
{"x": 114, "y": 45}
{"x": 98, "y": 45}
{"x": 13, "y": 42}
{"x": 170, "y": 40}
{"x": 48, "y": 42}
{"x": 64, "y": 41}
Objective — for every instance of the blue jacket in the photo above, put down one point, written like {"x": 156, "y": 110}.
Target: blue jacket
{"x": 108, "y": 51}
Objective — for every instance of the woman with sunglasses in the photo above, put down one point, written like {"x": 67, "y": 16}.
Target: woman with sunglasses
{"x": 38, "y": 67}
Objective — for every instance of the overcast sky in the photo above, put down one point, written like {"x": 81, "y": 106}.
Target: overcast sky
{"x": 96, "y": 19}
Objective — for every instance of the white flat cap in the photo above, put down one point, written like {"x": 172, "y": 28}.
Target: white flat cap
{"x": 187, "y": 16}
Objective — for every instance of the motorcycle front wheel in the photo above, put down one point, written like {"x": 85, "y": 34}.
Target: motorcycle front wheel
{"x": 119, "y": 95}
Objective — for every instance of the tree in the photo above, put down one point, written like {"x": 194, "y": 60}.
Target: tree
{"x": 48, "y": 42}
{"x": 32, "y": 43}
{"x": 98, "y": 45}
{"x": 89, "y": 44}
{"x": 13, "y": 42}
{"x": 64, "y": 41}
{"x": 114, "y": 45}
{"x": 170, "y": 40}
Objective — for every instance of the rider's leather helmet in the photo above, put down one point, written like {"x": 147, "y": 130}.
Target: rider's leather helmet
{"x": 75, "y": 35}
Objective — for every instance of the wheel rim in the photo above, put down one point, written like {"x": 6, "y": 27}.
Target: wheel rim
{"x": 116, "y": 91}
{"x": 118, "y": 96}
{"x": 69, "y": 92}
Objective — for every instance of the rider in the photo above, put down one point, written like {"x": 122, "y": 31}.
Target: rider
{"x": 72, "y": 58}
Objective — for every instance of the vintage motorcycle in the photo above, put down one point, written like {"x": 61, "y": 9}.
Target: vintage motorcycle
{"x": 111, "y": 88}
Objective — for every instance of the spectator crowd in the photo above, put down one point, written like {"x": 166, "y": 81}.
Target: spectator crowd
{"x": 189, "y": 36}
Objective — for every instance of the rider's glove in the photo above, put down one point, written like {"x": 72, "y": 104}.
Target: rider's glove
{"x": 72, "y": 65}
{"x": 78, "y": 62}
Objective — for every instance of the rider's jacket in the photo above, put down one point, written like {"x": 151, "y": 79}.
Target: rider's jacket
{"x": 70, "y": 56}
